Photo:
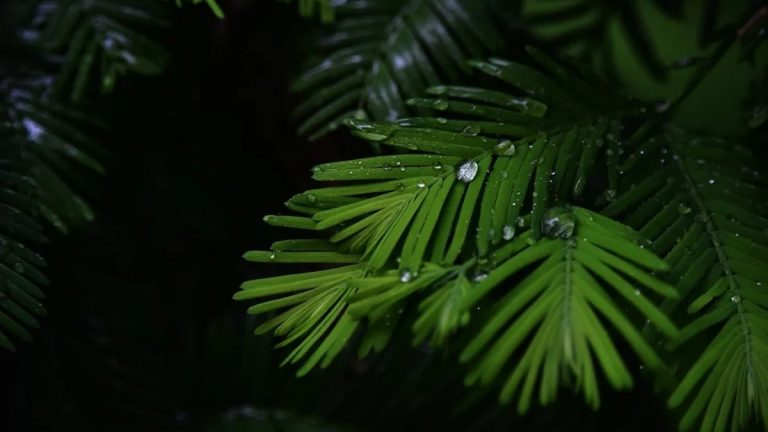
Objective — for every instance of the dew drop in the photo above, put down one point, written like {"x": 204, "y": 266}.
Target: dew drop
{"x": 19, "y": 267}
{"x": 421, "y": 184}
{"x": 467, "y": 171}
{"x": 406, "y": 276}
{"x": 471, "y": 130}
{"x": 558, "y": 222}
{"x": 480, "y": 276}
{"x": 735, "y": 299}
{"x": 442, "y": 120}
{"x": 711, "y": 181}
{"x": 387, "y": 167}
{"x": 506, "y": 148}
{"x": 437, "y": 165}
{"x": 520, "y": 222}
{"x": 508, "y": 232}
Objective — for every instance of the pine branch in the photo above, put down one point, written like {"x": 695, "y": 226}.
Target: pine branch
{"x": 582, "y": 27}
{"x": 45, "y": 144}
{"x": 380, "y": 53}
{"x": 704, "y": 199}
{"x": 53, "y": 147}
{"x": 100, "y": 39}
{"x": 445, "y": 223}
{"x": 557, "y": 305}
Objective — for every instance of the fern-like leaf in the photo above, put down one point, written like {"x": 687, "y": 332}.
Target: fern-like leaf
{"x": 382, "y": 52}
{"x": 20, "y": 276}
{"x": 446, "y": 221}
{"x": 97, "y": 38}
{"x": 560, "y": 306}
{"x": 51, "y": 143}
{"x": 704, "y": 211}
{"x": 582, "y": 27}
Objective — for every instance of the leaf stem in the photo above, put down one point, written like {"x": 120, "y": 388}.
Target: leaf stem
{"x": 722, "y": 258}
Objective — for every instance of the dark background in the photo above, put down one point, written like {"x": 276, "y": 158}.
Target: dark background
{"x": 142, "y": 333}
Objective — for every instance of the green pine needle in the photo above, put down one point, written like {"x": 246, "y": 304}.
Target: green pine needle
{"x": 703, "y": 210}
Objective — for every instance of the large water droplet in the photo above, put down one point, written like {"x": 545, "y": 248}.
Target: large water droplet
{"x": 467, "y": 171}
{"x": 558, "y": 222}
{"x": 437, "y": 165}
{"x": 508, "y": 232}
{"x": 480, "y": 276}
{"x": 406, "y": 276}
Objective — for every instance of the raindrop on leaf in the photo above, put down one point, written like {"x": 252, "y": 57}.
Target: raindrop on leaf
{"x": 508, "y": 232}
{"x": 467, "y": 171}
{"x": 558, "y": 222}
{"x": 406, "y": 276}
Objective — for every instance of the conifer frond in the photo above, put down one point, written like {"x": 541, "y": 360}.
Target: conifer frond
{"x": 50, "y": 142}
{"x": 20, "y": 276}
{"x": 381, "y": 52}
{"x": 700, "y": 201}
{"x": 583, "y": 27}
{"x": 97, "y": 38}
{"x": 445, "y": 222}
{"x": 562, "y": 306}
